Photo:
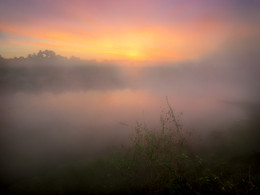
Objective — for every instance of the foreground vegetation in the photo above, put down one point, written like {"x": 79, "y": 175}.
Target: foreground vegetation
{"x": 158, "y": 161}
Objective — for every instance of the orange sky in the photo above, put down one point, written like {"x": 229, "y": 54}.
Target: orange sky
{"x": 121, "y": 30}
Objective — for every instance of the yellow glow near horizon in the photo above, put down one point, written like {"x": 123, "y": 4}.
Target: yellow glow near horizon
{"x": 122, "y": 30}
{"x": 133, "y": 44}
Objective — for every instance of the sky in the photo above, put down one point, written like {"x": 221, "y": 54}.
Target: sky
{"x": 136, "y": 30}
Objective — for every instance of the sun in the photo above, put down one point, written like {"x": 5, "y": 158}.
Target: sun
{"x": 127, "y": 45}
{"x": 134, "y": 54}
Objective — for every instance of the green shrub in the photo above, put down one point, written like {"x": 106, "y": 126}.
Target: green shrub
{"x": 162, "y": 162}
{"x": 157, "y": 161}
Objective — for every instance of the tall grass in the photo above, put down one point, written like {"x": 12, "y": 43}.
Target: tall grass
{"x": 161, "y": 161}
{"x": 157, "y": 161}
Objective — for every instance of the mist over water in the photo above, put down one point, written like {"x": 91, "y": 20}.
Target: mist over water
{"x": 163, "y": 97}
{"x": 56, "y": 110}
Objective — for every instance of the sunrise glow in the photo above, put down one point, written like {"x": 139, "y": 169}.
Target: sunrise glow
{"x": 118, "y": 30}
